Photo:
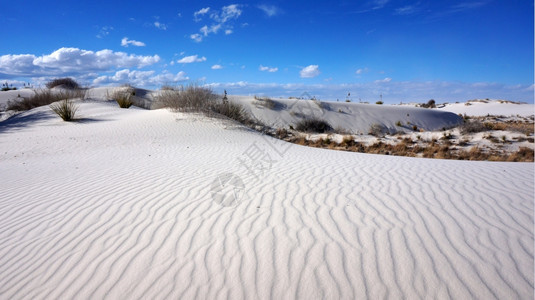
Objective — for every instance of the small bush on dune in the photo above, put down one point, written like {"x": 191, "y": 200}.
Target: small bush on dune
{"x": 67, "y": 83}
{"x": 41, "y": 98}
{"x": 473, "y": 126}
{"x": 192, "y": 98}
{"x": 313, "y": 125}
{"x": 429, "y": 104}
{"x": 377, "y": 130}
{"x": 232, "y": 111}
{"x": 123, "y": 97}
{"x": 66, "y": 109}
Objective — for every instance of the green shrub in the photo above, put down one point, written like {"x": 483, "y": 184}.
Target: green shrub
{"x": 66, "y": 109}
{"x": 379, "y": 102}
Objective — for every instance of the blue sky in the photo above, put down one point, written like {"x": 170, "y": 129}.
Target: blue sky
{"x": 400, "y": 50}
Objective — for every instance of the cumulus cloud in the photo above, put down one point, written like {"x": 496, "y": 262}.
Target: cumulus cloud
{"x": 140, "y": 78}
{"x": 70, "y": 61}
{"x": 310, "y": 71}
{"x": 125, "y": 42}
{"x": 191, "y": 59}
{"x": 268, "y": 69}
{"x": 221, "y": 18}
{"x": 217, "y": 67}
{"x": 269, "y": 10}
{"x": 198, "y": 14}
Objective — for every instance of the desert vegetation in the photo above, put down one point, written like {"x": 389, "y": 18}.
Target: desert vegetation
{"x": 313, "y": 124}
{"x": 200, "y": 99}
{"x": 66, "y": 109}
{"x": 41, "y": 98}
{"x": 66, "y": 83}
{"x": 189, "y": 98}
{"x": 123, "y": 97}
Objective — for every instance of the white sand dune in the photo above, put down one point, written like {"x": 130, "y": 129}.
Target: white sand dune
{"x": 492, "y": 107}
{"x": 120, "y": 205}
{"x": 352, "y": 117}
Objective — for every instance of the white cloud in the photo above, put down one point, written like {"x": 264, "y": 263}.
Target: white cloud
{"x": 104, "y": 31}
{"x": 405, "y": 10}
{"x": 269, "y": 10}
{"x": 378, "y": 4}
{"x": 361, "y": 71}
{"x": 212, "y": 29}
{"x": 191, "y": 59}
{"x": 221, "y": 18}
{"x": 268, "y": 69}
{"x": 125, "y": 42}
{"x": 196, "y": 37}
{"x": 385, "y": 80}
{"x": 67, "y": 61}
{"x": 217, "y": 67}
{"x": 310, "y": 71}
{"x": 140, "y": 78}
{"x": 227, "y": 13}
{"x": 200, "y": 13}
{"x": 160, "y": 25}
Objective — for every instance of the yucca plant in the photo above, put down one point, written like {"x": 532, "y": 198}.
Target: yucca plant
{"x": 66, "y": 109}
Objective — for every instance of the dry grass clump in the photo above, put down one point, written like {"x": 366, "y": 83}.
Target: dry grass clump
{"x": 42, "y": 98}
{"x": 123, "y": 97}
{"x": 190, "y": 98}
{"x": 66, "y": 109}
{"x": 66, "y": 83}
{"x": 473, "y": 126}
{"x": 313, "y": 124}
{"x": 523, "y": 154}
{"x": 377, "y": 130}
{"x": 232, "y": 111}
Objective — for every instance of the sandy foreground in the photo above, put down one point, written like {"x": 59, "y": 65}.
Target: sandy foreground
{"x": 139, "y": 204}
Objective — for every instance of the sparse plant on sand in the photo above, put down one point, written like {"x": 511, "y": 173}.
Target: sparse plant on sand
{"x": 66, "y": 83}
{"x": 66, "y": 109}
{"x": 123, "y": 97}
{"x": 7, "y": 87}
{"x": 42, "y": 98}
{"x": 313, "y": 124}
{"x": 190, "y": 98}
{"x": 377, "y": 130}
